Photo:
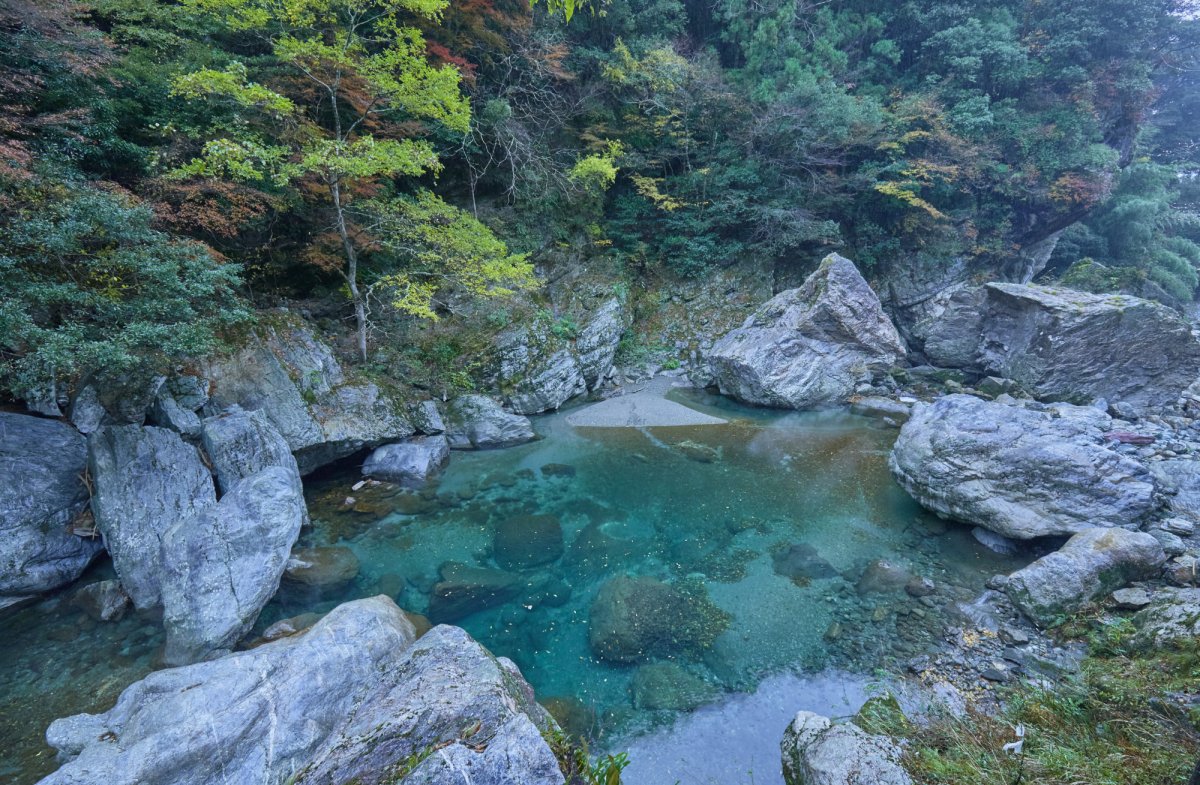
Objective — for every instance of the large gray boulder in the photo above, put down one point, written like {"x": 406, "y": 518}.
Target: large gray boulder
{"x": 293, "y": 377}
{"x": 1019, "y": 472}
{"x": 241, "y": 444}
{"x": 818, "y": 752}
{"x": 1091, "y": 564}
{"x": 223, "y": 565}
{"x": 1172, "y": 618}
{"x": 146, "y": 479}
{"x": 477, "y": 422}
{"x": 353, "y": 699}
{"x": 1062, "y": 344}
{"x": 411, "y": 463}
{"x": 42, "y": 463}
{"x": 811, "y": 346}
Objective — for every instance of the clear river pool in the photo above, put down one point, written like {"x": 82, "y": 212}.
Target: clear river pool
{"x": 771, "y": 529}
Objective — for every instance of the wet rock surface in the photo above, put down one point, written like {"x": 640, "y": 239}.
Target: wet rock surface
{"x": 811, "y": 346}
{"x": 1019, "y": 472}
{"x": 41, "y": 496}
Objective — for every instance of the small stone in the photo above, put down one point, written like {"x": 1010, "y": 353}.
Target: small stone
{"x": 997, "y": 674}
{"x": 920, "y": 587}
{"x": 997, "y": 582}
{"x": 833, "y": 632}
{"x": 1179, "y": 526}
{"x": 1014, "y": 635}
{"x": 1131, "y": 599}
{"x": 1183, "y": 571}
{"x": 102, "y": 601}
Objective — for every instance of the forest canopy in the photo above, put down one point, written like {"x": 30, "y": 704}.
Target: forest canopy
{"x": 166, "y": 167}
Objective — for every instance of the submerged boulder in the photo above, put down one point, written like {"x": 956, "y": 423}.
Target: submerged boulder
{"x": 669, "y": 686}
{"x": 1019, "y": 472}
{"x": 146, "y": 480}
{"x": 464, "y": 590}
{"x": 411, "y": 463}
{"x": 293, "y": 377}
{"x": 42, "y": 463}
{"x": 817, "y": 752}
{"x": 352, "y": 699}
{"x": 635, "y": 619}
{"x": 327, "y": 567}
{"x": 811, "y": 346}
{"x": 1063, "y": 344}
{"x": 102, "y": 601}
{"x": 476, "y": 422}
{"x": 1091, "y": 564}
{"x": 524, "y": 541}
{"x": 223, "y": 565}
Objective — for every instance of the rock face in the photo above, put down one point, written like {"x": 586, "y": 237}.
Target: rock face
{"x": 538, "y": 372}
{"x": 1019, "y": 472}
{"x": 1062, "y": 344}
{"x": 299, "y": 385}
{"x": 476, "y": 422}
{"x": 638, "y": 619}
{"x": 951, "y": 340}
{"x": 541, "y": 367}
{"x": 411, "y": 463}
{"x": 1091, "y": 564}
{"x": 353, "y": 699}
{"x": 221, "y": 566}
{"x": 146, "y": 480}
{"x": 42, "y": 463}
{"x": 811, "y": 346}
{"x": 596, "y": 344}
{"x": 817, "y": 752}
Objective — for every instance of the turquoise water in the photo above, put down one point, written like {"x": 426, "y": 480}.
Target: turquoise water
{"x": 763, "y": 526}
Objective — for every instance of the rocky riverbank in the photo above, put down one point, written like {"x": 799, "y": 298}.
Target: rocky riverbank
{"x": 1059, "y": 425}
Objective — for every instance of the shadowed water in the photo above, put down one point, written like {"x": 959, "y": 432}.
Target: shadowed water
{"x": 774, "y": 517}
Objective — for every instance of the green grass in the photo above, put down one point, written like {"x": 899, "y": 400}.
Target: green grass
{"x": 1119, "y": 721}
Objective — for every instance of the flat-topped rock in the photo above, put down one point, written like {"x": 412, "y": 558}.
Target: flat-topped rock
{"x": 639, "y": 410}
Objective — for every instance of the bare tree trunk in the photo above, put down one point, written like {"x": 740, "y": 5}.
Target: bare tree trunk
{"x": 356, "y": 297}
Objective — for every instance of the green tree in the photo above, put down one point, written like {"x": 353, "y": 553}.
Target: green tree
{"x": 351, "y": 130}
{"x": 90, "y": 288}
